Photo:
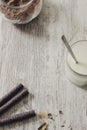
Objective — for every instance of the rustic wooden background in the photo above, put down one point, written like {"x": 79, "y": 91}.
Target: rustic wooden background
{"x": 34, "y": 55}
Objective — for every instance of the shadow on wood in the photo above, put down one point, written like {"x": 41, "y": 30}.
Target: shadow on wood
{"x": 41, "y": 23}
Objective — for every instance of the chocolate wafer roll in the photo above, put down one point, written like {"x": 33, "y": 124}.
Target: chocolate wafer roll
{"x": 13, "y": 101}
{"x": 11, "y": 94}
{"x": 17, "y": 118}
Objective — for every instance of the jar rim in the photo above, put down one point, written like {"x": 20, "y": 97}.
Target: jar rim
{"x": 18, "y": 6}
{"x": 67, "y": 60}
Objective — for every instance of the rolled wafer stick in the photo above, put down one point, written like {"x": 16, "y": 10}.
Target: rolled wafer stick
{"x": 11, "y": 94}
{"x": 13, "y": 101}
{"x": 17, "y": 118}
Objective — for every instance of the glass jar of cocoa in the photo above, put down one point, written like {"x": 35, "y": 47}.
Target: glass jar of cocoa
{"x": 20, "y": 11}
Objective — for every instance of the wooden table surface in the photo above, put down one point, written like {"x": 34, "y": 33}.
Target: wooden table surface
{"x": 34, "y": 55}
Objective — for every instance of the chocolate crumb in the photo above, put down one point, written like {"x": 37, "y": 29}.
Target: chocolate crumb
{"x": 50, "y": 116}
{"x": 60, "y": 112}
{"x": 62, "y": 125}
{"x": 43, "y": 126}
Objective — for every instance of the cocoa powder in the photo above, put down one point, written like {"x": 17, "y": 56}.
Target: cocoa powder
{"x": 20, "y": 14}
{"x": 16, "y": 2}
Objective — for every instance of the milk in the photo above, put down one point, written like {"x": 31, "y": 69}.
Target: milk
{"x": 77, "y": 73}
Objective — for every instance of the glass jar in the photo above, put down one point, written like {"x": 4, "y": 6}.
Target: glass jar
{"x": 77, "y": 73}
{"x": 20, "y": 12}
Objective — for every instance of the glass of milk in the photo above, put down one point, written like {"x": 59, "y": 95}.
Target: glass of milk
{"x": 77, "y": 73}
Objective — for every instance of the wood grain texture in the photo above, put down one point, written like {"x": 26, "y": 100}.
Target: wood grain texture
{"x": 34, "y": 55}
